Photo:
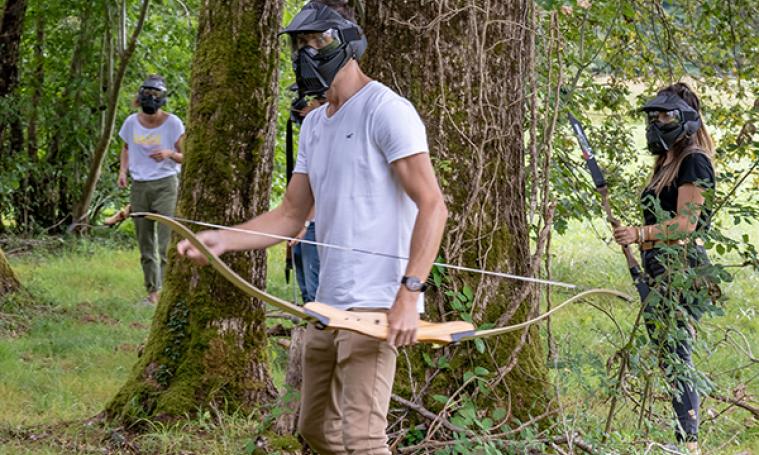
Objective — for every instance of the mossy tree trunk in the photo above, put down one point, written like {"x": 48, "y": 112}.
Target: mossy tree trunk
{"x": 207, "y": 344}
{"x": 9, "y": 282}
{"x": 464, "y": 65}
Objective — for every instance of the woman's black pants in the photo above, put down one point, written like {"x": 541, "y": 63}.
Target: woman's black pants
{"x": 685, "y": 400}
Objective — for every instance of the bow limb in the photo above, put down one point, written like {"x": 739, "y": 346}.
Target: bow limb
{"x": 224, "y": 270}
{"x": 525, "y": 324}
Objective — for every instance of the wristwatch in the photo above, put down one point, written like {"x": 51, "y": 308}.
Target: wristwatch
{"x": 414, "y": 284}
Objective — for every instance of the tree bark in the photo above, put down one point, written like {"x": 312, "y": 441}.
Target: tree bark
{"x": 9, "y": 282}
{"x": 208, "y": 343}
{"x": 287, "y": 422}
{"x": 464, "y": 64}
{"x": 11, "y": 29}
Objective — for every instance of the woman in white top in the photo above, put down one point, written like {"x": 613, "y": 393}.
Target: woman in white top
{"x": 152, "y": 154}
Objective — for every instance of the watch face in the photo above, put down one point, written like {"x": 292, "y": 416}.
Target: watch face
{"x": 413, "y": 284}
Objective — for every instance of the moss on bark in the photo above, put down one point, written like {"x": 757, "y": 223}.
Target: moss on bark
{"x": 207, "y": 343}
{"x": 9, "y": 282}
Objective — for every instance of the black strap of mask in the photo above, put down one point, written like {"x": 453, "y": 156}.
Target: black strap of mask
{"x": 289, "y": 165}
{"x": 351, "y": 34}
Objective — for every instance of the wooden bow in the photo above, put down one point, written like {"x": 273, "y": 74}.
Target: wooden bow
{"x": 373, "y": 324}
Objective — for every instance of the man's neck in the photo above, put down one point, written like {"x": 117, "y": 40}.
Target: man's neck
{"x": 349, "y": 80}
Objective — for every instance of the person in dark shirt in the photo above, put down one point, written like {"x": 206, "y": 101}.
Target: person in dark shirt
{"x": 675, "y": 210}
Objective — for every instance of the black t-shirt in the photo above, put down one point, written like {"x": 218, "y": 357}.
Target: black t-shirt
{"x": 696, "y": 168}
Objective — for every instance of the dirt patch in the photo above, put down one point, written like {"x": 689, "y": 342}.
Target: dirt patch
{"x": 138, "y": 326}
{"x": 98, "y": 318}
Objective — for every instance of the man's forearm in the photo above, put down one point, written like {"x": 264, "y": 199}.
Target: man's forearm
{"x": 426, "y": 238}
{"x": 279, "y": 221}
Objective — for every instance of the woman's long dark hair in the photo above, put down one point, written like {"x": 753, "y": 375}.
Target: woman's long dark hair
{"x": 701, "y": 142}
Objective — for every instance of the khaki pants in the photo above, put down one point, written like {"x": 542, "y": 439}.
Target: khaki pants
{"x": 345, "y": 396}
{"x": 158, "y": 196}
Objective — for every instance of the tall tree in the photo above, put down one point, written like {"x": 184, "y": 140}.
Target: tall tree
{"x": 464, "y": 65}
{"x": 208, "y": 340}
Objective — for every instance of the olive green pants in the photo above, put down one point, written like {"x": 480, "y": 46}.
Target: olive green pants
{"x": 157, "y": 196}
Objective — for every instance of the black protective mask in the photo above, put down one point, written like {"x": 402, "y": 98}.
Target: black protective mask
{"x": 661, "y": 137}
{"x": 314, "y": 73}
{"x": 315, "y": 69}
{"x": 152, "y": 95}
{"x": 150, "y": 104}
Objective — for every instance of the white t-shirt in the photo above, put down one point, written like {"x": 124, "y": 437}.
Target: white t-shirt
{"x": 142, "y": 142}
{"x": 359, "y": 201}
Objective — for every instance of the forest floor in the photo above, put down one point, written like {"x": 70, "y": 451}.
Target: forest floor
{"x": 65, "y": 355}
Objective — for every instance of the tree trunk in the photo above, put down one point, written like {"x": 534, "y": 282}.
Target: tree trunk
{"x": 11, "y": 30}
{"x": 287, "y": 422}
{"x": 464, "y": 64}
{"x": 37, "y": 86}
{"x": 208, "y": 343}
{"x": 9, "y": 282}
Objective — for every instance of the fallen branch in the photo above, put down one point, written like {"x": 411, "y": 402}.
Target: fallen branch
{"x": 736, "y": 402}
{"x": 427, "y": 414}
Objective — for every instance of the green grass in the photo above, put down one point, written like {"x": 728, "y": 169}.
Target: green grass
{"x": 80, "y": 348}
{"x": 70, "y": 352}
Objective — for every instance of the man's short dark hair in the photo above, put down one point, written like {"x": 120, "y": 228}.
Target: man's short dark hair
{"x": 341, "y": 6}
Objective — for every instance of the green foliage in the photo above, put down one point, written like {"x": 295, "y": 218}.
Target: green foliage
{"x": 39, "y": 187}
{"x": 610, "y": 62}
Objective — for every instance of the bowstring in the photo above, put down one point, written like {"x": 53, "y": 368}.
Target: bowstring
{"x": 381, "y": 254}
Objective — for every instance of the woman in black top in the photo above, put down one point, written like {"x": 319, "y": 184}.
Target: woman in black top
{"x": 682, "y": 177}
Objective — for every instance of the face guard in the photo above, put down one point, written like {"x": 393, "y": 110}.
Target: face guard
{"x": 152, "y": 95}
{"x": 322, "y": 42}
{"x": 670, "y": 120}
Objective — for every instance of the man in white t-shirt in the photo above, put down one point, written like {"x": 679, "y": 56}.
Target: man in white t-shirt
{"x": 363, "y": 163}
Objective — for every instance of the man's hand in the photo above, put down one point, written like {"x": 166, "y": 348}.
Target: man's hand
{"x": 162, "y": 154}
{"x": 122, "y": 181}
{"x": 212, "y": 239}
{"x": 403, "y": 319}
{"x": 296, "y": 240}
